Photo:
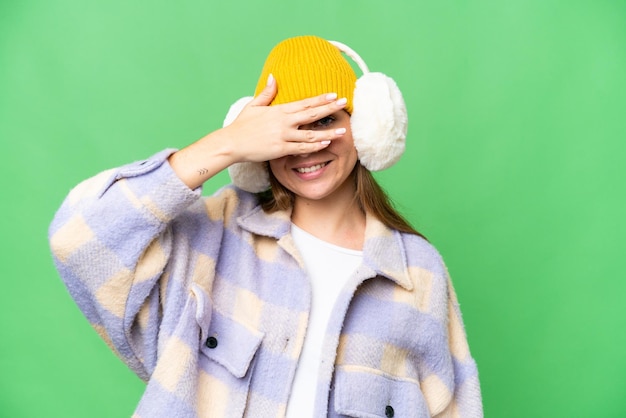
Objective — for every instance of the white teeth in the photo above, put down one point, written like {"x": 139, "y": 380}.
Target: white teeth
{"x": 310, "y": 169}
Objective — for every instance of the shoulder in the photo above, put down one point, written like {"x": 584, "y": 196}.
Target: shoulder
{"x": 429, "y": 275}
{"x": 223, "y": 207}
{"x": 422, "y": 254}
{"x": 201, "y": 228}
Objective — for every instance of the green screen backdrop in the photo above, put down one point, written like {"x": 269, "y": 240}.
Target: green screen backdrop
{"x": 514, "y": 170}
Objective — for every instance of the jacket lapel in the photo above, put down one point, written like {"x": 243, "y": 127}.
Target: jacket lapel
{"x": 383, "y": 249}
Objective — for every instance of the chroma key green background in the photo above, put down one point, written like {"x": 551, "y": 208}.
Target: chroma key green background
{"x": 514, "y": 169}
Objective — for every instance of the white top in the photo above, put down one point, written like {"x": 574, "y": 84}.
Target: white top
{"x": 329, "y": 267}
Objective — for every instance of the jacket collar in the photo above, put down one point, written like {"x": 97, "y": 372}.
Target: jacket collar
{"x": 383, "y": 250}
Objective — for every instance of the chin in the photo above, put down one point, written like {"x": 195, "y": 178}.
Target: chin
{"x": 313, "y": 192}
{"x": 311, "y": 195}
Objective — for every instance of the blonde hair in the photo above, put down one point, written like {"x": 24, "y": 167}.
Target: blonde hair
{"x": 370, "y": 197}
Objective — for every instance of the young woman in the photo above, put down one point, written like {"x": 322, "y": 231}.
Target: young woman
{"x": 296, "y": 291}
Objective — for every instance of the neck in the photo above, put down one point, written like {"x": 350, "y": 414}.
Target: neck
{"x": 337, "y": 219}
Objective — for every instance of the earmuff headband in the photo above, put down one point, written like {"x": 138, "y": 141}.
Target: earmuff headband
{"x": 353, "y": 55}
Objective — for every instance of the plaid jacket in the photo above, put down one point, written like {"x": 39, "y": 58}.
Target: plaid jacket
{"x": 207, "y": 301}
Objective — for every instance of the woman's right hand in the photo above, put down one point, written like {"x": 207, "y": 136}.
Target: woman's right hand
{"x": 262, "y": 132}
{"x": 259, "y": 133}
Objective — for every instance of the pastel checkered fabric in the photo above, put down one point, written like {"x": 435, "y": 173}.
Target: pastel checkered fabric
{"x": 206, "y": 299}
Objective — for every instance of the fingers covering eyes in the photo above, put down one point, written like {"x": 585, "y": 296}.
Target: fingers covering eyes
{"x": 310, "y": 136}
{"x": 315, "y": 107}
{"x": 305, "y": 148}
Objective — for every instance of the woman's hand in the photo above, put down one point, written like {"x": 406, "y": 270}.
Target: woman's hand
{"x": 262, "y": 132}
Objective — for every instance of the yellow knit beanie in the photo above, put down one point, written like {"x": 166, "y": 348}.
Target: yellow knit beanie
{"x": 307, "y": 66}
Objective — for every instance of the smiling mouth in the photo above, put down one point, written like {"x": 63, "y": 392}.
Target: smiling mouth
{"x": 310, "y": 169}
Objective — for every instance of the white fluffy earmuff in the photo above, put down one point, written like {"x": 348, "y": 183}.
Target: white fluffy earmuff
{"x": 378, "y": 123}
{"x": 379, "y": 119}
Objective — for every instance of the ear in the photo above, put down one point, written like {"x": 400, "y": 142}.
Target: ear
{"x": 379, "y": 121}
{"x": 251, "y": 177}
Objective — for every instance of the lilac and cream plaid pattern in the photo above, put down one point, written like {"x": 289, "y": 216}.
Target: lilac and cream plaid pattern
{"x": 207, "y": 301}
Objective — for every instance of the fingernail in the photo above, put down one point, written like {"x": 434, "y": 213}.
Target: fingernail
{"x": 325, "y": 142}
{"x": 331, "y": 96}
{"x": 342, "y": 101}
{"x": 270, "y": 79}
{"x": 340, "y": 131}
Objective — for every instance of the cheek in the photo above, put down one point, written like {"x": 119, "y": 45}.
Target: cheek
{"x": 276, "y": 164}
{"x": 347, "y": 149}
{"x": 277, "y": 167}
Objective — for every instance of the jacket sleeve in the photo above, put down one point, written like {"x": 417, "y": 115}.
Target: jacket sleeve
{"x": 111, "y": 241}
{"x": 466, "y": 398}
{"x": 448, "y": 375}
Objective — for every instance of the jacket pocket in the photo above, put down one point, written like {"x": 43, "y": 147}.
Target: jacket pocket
{"x": 227, "y": 354}
{"x": 231, "y": 344}
{"x": 224, "y": 340}
{"x": 368, "y": 393}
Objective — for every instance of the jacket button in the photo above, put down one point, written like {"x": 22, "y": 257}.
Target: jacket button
{"x": 211, "y": 342}
{"x": 389, "y": 411}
